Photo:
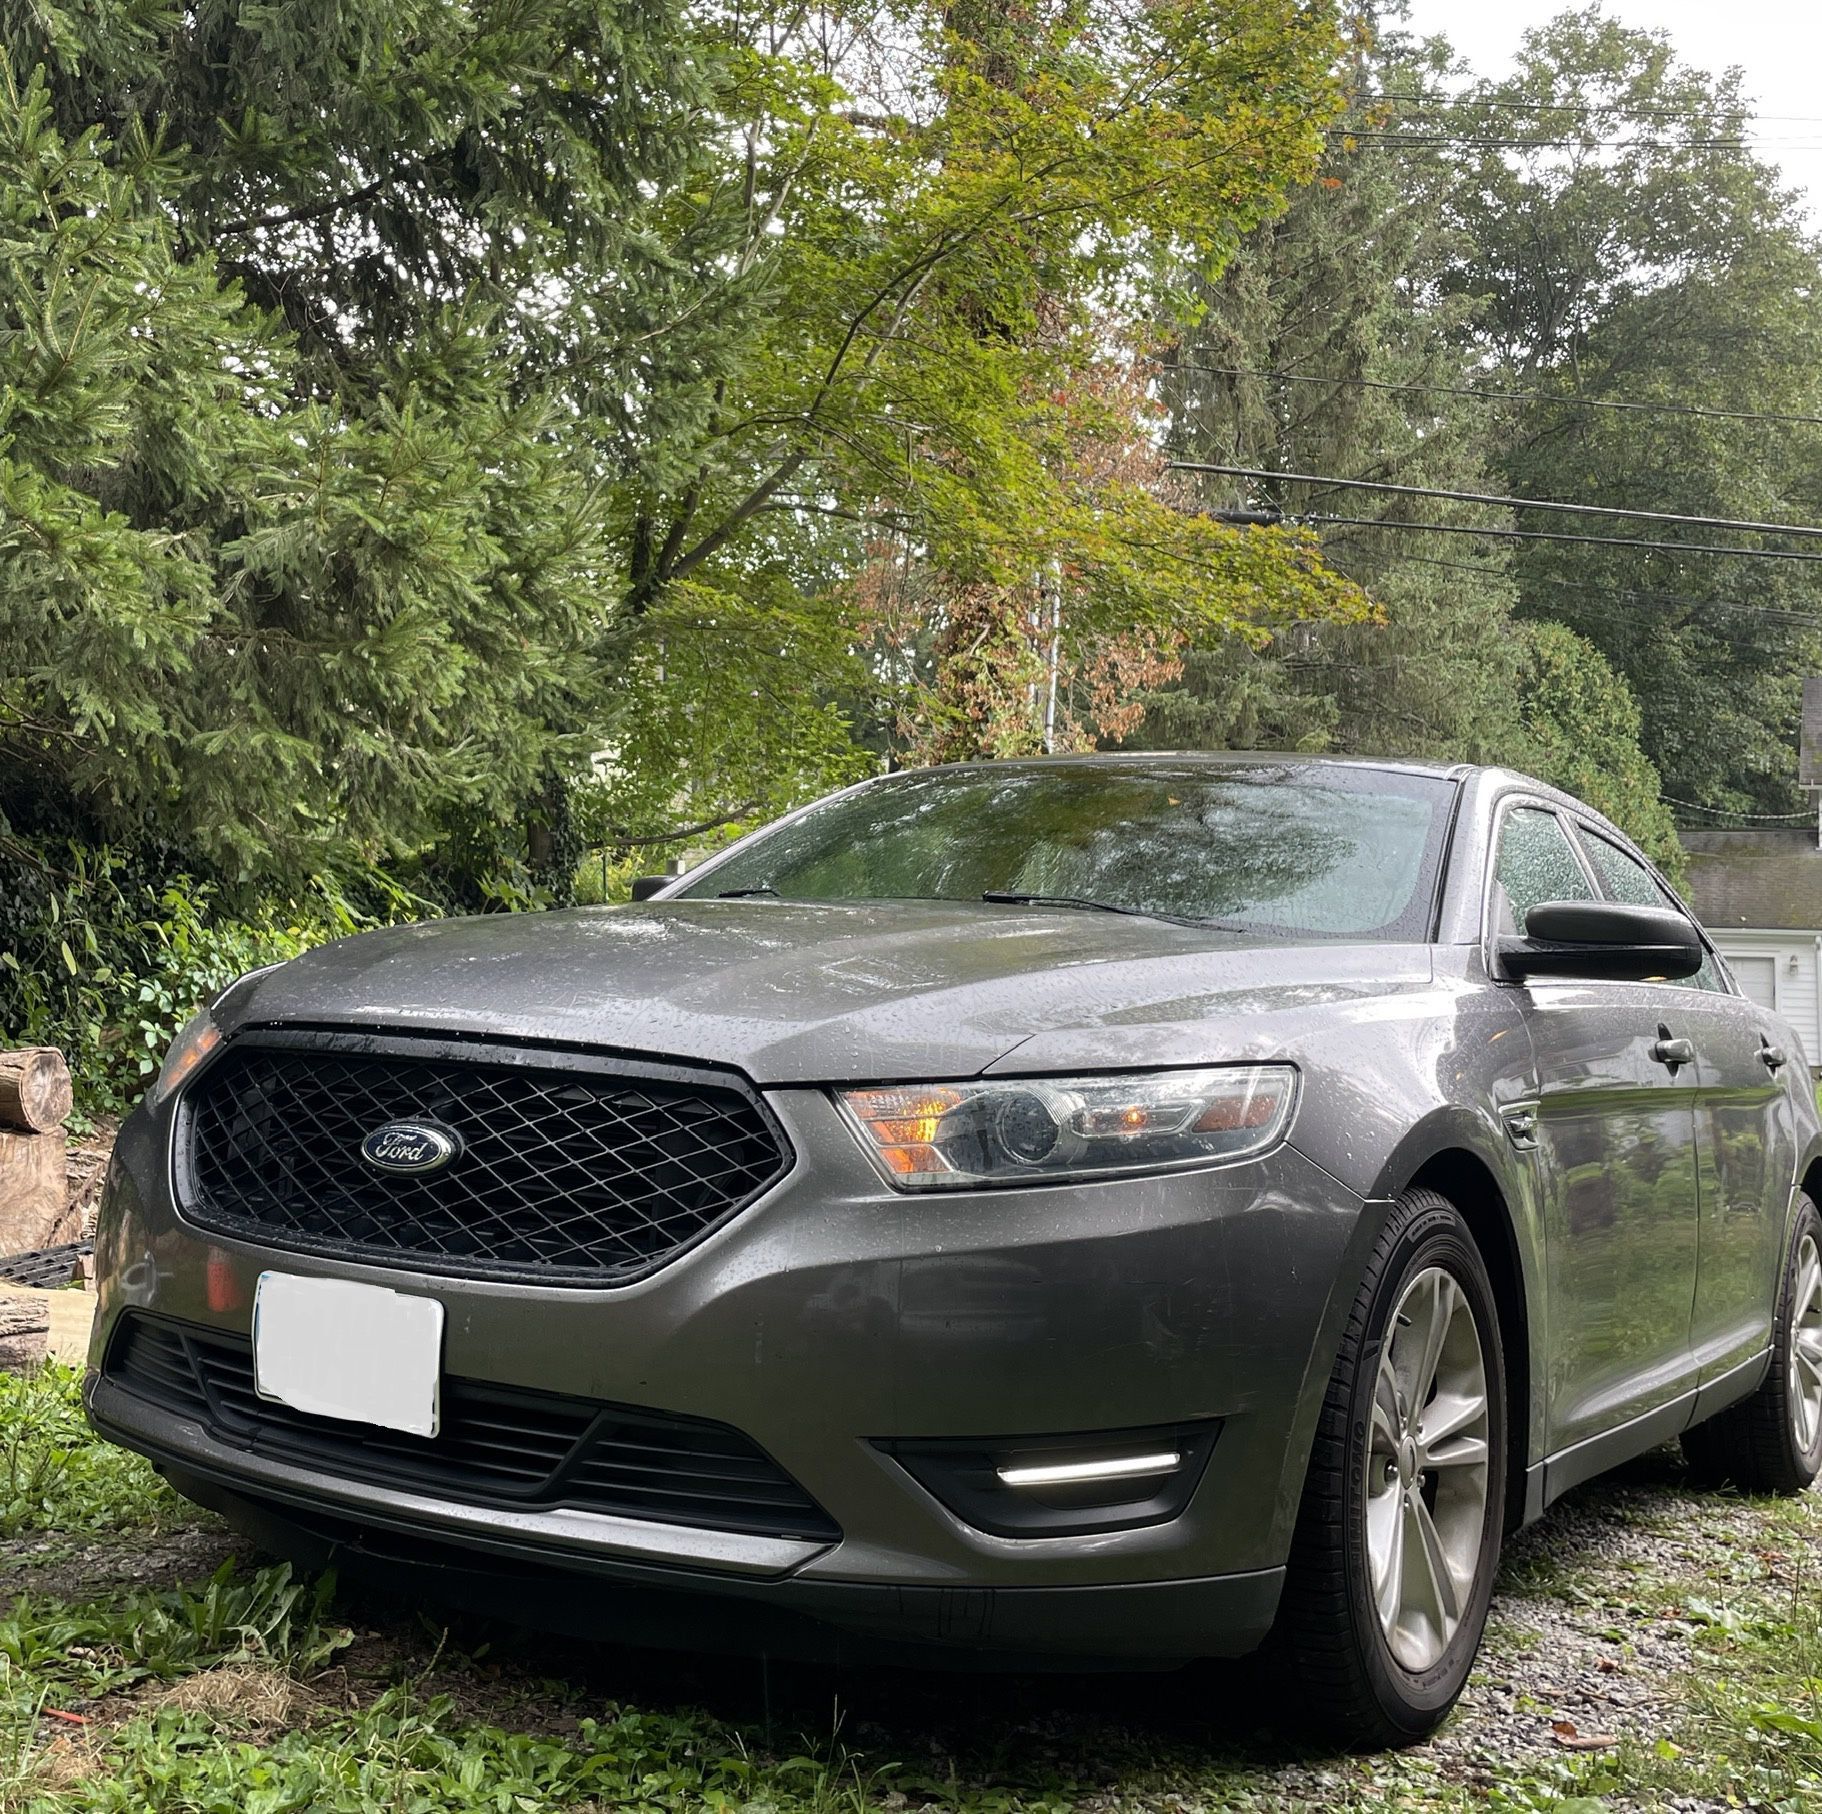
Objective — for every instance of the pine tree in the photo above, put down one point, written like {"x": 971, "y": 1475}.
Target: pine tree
{"x": 303, "y": 565}
{"x": 1295, "y": 364}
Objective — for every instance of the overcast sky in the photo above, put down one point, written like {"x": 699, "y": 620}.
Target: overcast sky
{"x": 1778, "y": 43}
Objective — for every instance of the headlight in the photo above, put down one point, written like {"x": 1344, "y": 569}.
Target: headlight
{"x": 951, "y": 1136}
{"x": 197, "y": 1039}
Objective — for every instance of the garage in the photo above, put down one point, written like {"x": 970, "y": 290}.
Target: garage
{"x": 1759, "y": 893}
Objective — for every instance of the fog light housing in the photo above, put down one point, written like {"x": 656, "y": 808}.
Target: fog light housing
{"x": 1061, "y": 1486}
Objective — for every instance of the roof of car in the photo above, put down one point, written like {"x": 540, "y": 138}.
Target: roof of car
{"x": 1229, "y": 759}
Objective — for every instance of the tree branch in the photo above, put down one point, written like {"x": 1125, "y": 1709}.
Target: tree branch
{"x": 622, "y": 839}
{"x": 312, "y": 211}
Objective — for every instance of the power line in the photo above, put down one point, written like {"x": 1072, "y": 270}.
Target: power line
{"x": 1481, "y": 142}
{"x": 1777, "y": 614}
{"x": 1610, "y": 612}
{"x": 1494, "y": 501}
{"x": 1727, "y": 812}
{"x": 1516, "y": 105}
{"x": 1485, "y": 396}
{"x": 1549, "y": 535}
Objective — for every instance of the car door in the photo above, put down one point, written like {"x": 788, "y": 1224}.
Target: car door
{"x": 1745, "y": 1138}
{"x": 1615, "y": 1141}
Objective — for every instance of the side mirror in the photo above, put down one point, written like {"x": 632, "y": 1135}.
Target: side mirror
{"x": 644, "y": 887}
{"x": 1603, "y": 940}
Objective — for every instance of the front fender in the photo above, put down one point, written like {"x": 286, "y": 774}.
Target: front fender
{"x": 1471, "y": 1158}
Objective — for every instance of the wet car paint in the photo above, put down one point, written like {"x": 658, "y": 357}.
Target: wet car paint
{"x": 835, "y": 1313}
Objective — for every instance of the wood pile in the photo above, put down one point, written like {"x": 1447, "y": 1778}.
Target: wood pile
{"x": 34, "y": 1187}
{"x": 34, "y": 1156}
{"x": 35, "y": 1094}
{"x": 25, "y": 1329}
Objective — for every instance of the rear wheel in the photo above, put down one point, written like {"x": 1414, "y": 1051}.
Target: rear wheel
{"x": 1398, "y": 1535}
{"x": 1772, "y": 1441}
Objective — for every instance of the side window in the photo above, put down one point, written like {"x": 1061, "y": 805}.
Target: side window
{"x": 1623, "y": 878}
{"x": 1536, "y": 863}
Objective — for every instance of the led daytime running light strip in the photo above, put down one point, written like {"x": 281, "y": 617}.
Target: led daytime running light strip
{"x": 1078, "y": 1473}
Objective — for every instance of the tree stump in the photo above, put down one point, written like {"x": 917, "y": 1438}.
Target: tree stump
{"x": 34, "y": 1089}
{"x": 34, "y": 1189}
{"x": 25, "y": 1330}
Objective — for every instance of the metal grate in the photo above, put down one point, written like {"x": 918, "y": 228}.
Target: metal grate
{"x": 589, "y": 1174}
{"x": 498, "y": 1445}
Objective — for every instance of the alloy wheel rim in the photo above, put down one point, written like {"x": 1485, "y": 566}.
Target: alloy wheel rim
{"x": 1428, "y": 1466}
{"x": 1806, "y": 1347}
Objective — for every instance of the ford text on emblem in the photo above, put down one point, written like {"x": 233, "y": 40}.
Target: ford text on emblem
{"x": 410, "y": 1146}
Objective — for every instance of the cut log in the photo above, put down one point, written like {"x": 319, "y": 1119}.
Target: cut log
{"x": 34, "y": 1089}
{"x": 25, "y": 1331}
{"x": 34, "y": 1189}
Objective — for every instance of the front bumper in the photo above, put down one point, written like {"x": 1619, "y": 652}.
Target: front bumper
{"x": 827, "y": 1321}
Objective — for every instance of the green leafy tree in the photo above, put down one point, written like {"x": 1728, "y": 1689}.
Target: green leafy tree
{"x": 1583, "y": 725}
{"x": 935, "y": 363}
{"x": 404, "y": 392}
{"x": 1622, "y": 245}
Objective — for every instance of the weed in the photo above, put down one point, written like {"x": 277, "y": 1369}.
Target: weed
{"x": 54, "y": 1476}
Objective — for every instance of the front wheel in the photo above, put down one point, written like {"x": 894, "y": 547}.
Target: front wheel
{"x": 1772, "y": 1441}
{"x": 1397, "y": 1539}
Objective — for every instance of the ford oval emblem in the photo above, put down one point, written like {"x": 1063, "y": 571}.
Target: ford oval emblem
{"x": 411, "y": 1146}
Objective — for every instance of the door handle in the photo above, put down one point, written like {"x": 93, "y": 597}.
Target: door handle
{"x": 1673, "y": 1052}
{"x": 1772, "y": 1057}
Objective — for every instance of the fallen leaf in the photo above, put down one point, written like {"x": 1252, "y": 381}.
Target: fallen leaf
{"x": 1570, "y": 1739}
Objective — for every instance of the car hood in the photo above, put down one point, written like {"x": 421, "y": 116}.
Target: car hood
{"x": 798, "y": 993}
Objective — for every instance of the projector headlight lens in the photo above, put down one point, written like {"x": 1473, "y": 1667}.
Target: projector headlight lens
{"x": 952, "y": 1136}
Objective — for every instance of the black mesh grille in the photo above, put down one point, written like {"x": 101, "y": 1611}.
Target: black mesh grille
{"x": 584, "y": 1176}
{"x": 497, "y": 1445}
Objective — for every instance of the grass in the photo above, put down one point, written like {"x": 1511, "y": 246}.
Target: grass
{"x": 55, "y": 1477}
{"x": 217, "y": 1685}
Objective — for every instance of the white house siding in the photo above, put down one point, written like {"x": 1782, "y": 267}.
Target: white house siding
{"x": 1783, "y": 970}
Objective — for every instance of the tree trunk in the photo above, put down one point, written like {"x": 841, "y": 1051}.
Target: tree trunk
{"x": 34, "y": 1190}
{"x": 34, "y": 1089}
{"x": 25, "y": 1330}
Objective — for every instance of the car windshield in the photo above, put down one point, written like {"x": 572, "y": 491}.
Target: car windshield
{"x": 1294, "y": 849}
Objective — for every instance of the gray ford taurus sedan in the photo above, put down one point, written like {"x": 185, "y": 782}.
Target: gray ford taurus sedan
{"x": 1100, "y": 1209}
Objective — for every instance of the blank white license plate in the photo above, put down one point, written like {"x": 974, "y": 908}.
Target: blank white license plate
{"x": 340, "y": 1349}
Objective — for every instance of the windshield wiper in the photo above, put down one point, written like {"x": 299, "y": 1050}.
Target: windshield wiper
{"x": 1002, "y": 898}
{"x": 746, "y": 894}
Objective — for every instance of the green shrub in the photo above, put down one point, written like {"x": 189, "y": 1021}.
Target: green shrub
{"x": 105, "y": 953}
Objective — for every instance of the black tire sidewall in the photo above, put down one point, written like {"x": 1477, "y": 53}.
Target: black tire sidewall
{"x": 1805, "y": 1221}
{"x": 1436, "y": 1235}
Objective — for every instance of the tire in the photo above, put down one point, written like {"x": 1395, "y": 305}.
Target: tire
{"x": 1771, "y": 1442}
{"x": 1370, "y": 1680}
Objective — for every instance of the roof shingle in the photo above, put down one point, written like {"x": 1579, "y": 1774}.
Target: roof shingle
{"x": 1768, "y": 877}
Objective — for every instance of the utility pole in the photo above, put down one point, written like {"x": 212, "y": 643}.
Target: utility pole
{"x": 1056, "y": 655}
{"x": 1809, "y": 747}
